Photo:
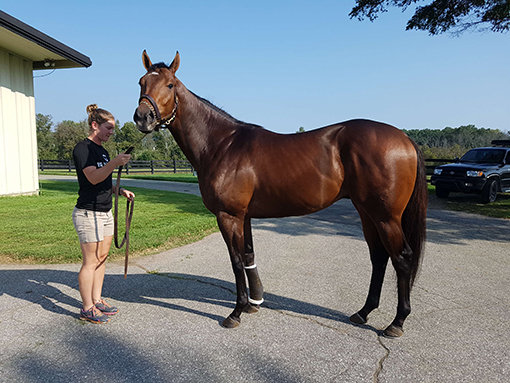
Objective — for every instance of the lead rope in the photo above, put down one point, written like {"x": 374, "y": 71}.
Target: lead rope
{"x": 129, "y": 216}
{"x": 131, "y": 204}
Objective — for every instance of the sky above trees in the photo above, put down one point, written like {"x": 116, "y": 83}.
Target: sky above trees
{"x": 282, "y": 65}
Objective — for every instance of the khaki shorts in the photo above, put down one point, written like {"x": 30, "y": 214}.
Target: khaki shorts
{"x": 92, "y": 226}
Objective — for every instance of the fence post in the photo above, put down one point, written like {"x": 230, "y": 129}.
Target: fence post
{"x": 175, "y": 167}
{"x": 127, "y": 168}
{"x": 70, "y": 166}
{"x": 41, "y": 164}
{"x": 152, "y": 166}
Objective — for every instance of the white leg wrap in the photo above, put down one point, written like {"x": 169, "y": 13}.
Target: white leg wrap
{"x": 254, "y": 266}
{"x": 254, "y": 302}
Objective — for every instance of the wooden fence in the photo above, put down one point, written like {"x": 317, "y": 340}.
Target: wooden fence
{"x": 178, "y": 166}
{"x": 430, "y": 164}
{"x": 153, "y": 166}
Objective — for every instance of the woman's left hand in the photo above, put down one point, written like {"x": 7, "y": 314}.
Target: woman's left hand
{"x": 128, "y": 194}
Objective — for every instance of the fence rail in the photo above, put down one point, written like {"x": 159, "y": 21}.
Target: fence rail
{"x": 430, "y": 164}
{"x": 153, "y": 166}
{"x": 178, "y": 166}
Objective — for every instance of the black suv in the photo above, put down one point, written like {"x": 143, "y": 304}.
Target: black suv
{"x": 485, "y": 171}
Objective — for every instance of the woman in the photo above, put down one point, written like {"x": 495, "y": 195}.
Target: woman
{"x": 92, "y": 215}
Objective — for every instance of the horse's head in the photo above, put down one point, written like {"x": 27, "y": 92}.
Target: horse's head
{"x": 158, "y": 102}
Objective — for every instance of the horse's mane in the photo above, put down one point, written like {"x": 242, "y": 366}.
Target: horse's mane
{"x": 158, "y": 66}
{"x": 203, "y": 100}
{"x": 216, "y": 109}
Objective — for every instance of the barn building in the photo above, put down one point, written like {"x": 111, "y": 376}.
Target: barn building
{"x": 24, "y": 49}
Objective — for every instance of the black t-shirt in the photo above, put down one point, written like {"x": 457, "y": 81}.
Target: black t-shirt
{"x": 92, "y": 197}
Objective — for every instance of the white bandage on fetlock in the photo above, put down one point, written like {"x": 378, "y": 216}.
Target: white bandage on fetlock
{"x": 254, "y": 266}
{"x": 255, "y": 302}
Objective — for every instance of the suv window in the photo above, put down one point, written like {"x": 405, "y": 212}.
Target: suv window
{"x": 507, "y": 160}
{"x": 485, "y": 156}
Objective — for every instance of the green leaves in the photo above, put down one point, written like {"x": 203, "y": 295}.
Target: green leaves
{"x": 453, "y": 142}
{"x": 440, "y": 16}
{"x": 57, "y": 142}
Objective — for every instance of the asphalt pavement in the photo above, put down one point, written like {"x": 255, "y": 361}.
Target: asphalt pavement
{"x": 315, "y": 271}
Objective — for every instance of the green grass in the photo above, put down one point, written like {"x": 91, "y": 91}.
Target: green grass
{"x": 470, "y": 203}
{"x": 175, "y": 177}
{"x": 39, "y": 229}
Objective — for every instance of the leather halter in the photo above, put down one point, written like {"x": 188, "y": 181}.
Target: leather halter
{"x": 160, "y": 122}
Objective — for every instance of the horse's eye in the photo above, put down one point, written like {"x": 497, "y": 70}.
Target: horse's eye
{"x": 170, "y": 86}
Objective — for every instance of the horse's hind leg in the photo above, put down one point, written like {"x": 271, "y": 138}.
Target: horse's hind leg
{"x": 402, "y": 264}
{"x": 379, "y": 258}
{"x": 255, "y": 285}
{"x": 232, "y": 229}
{"x": 392, "y": 237}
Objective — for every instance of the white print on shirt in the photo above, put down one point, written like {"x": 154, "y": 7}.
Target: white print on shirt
{"x": 101, "y": 164}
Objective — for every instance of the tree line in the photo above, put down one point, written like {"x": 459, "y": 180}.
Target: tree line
{"x": 56, "y": 141}
{"x": 449, "y": 142}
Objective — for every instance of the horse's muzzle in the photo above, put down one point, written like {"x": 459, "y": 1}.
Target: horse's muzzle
{"x": 144, "y": 119}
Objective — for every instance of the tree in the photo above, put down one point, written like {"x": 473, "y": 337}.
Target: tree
{"x": 166, "y": 146}
{"x": 453, "y": 142}
{"x": 46, "y": 148}
{"x": 123, "y": 138}
{"x": 442, "y": 15}
{"x": 67, "y": 135}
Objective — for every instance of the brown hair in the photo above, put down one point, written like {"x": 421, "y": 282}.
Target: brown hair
{"x": 98, "y": 115}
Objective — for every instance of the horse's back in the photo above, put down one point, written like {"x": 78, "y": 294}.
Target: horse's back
{"x": 372, "y": 163}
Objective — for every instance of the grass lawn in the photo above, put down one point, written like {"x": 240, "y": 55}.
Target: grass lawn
{"x": 470, "y": 204}
{"x": 39, "y": 229}
{"x": 175, "y": 177}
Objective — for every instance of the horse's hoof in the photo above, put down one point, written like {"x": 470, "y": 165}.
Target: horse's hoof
{"x": 393, "y": 331}
{"x": 229, "y": 322}
{"x": 251, "y": 309}
{"x": 357, "y": 319}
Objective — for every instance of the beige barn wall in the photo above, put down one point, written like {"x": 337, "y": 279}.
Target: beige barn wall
{"x": 18, "y": 139}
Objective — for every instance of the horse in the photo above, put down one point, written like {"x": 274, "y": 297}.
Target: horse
{"x": 245, "y": 171}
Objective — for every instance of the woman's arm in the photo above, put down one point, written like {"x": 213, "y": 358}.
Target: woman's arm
{"x": 96, "y": 175}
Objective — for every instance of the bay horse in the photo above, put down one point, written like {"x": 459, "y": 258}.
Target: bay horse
{"x": 245, "y": 171}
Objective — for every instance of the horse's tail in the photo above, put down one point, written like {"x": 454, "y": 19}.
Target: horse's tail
{"x": 415, "y": 215}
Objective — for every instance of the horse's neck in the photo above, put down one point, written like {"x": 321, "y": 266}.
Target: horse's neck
{"x": 199, "y": 129}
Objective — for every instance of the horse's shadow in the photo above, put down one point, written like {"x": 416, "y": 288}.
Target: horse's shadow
{"x": 53, "y": 290}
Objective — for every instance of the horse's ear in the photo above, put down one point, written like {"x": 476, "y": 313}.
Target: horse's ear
{"x": 146, "y": 60}
{"x": 175, "y": 64}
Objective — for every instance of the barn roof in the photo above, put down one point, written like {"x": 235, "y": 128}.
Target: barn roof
{"x": 43, "y": 50}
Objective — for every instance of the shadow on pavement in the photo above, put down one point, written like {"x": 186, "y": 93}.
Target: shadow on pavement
{"x": 44, "y": 288}
{"x": 443, "y": 226}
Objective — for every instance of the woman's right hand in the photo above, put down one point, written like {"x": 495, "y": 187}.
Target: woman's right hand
{"x": 122, "y": 159}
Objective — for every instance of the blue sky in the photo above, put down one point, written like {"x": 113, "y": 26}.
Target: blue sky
{"x": 279, "y": 64}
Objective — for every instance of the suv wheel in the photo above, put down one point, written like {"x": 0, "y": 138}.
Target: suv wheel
{"x": 490, "y": 191}
{"x": 441, "y": 193}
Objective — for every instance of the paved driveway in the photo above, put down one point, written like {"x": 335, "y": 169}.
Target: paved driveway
{"x": 315, "y": 271}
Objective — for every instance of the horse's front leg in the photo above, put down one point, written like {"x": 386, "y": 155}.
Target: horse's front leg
{"x": 255, "y": 285}
{"x": 232, "y": 229}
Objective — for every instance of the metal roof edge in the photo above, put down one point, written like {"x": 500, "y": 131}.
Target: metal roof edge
{"x": 26, "y": 31}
